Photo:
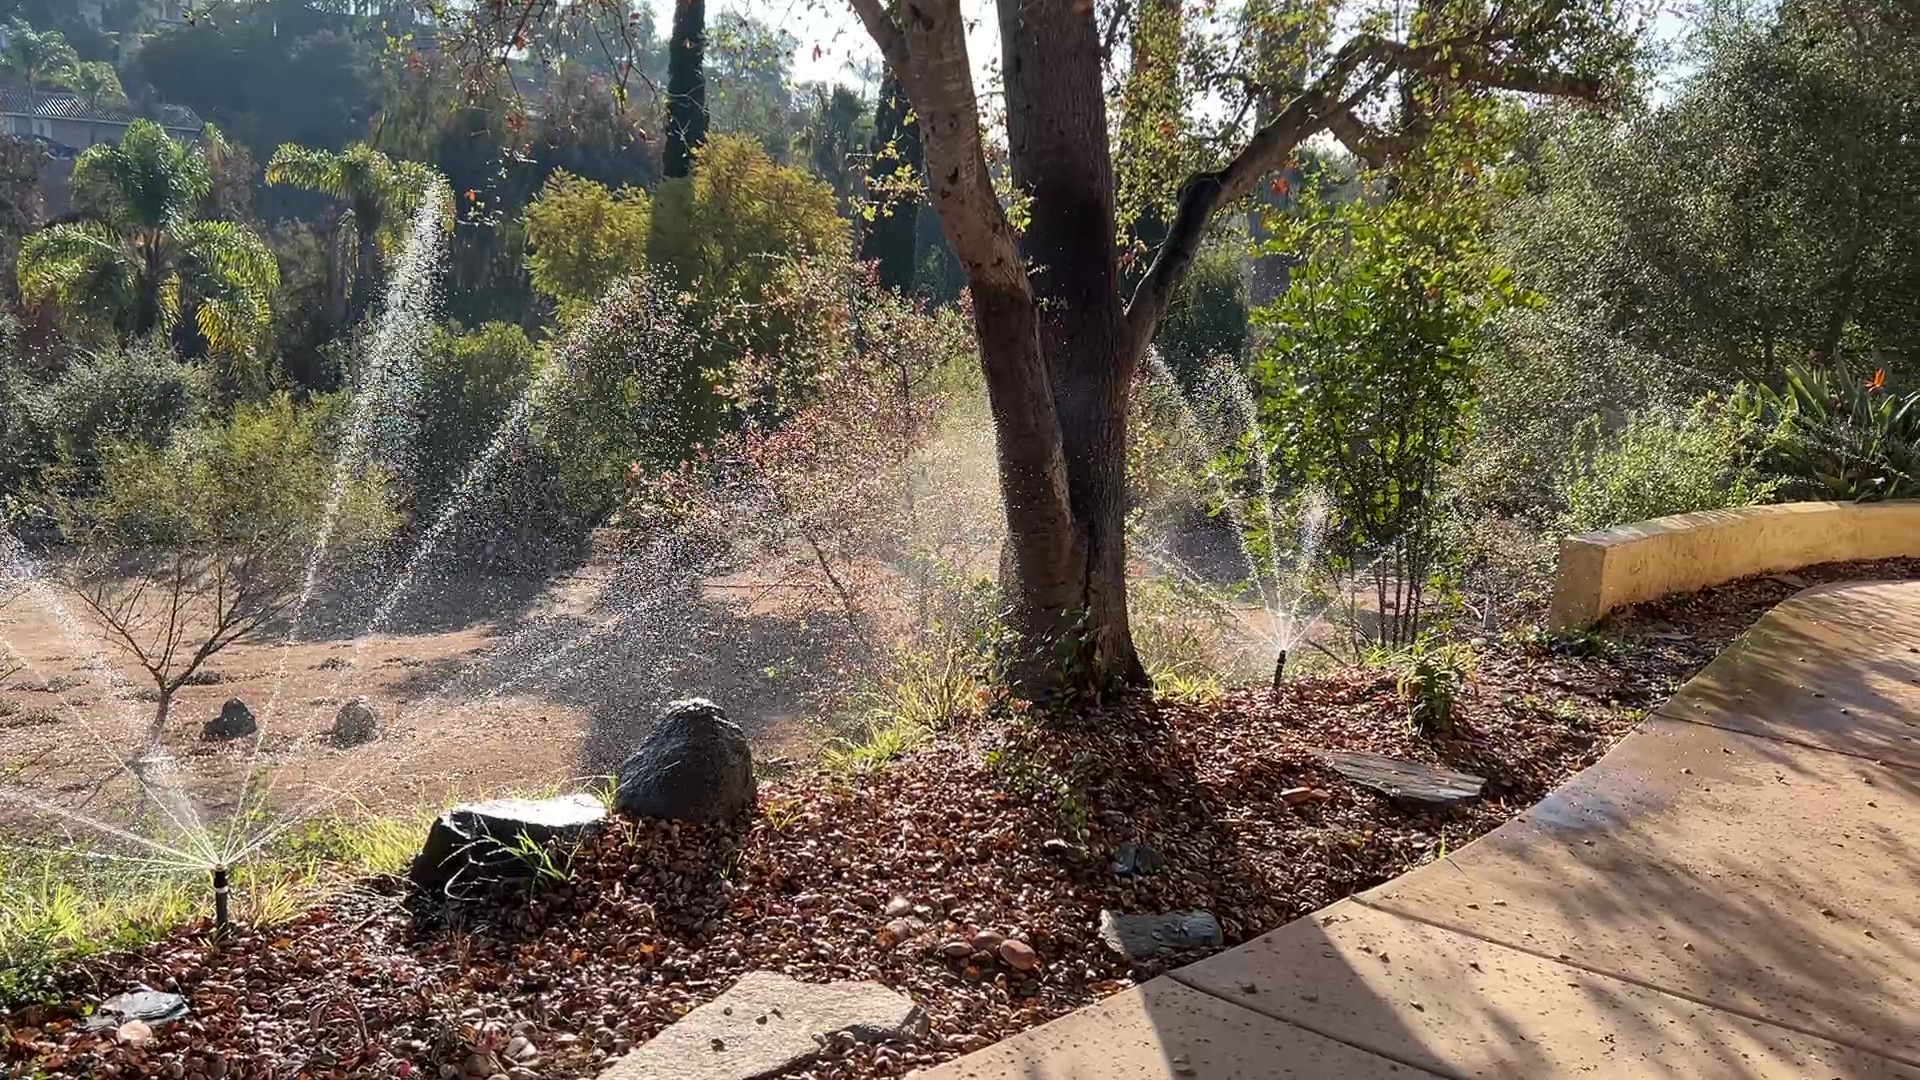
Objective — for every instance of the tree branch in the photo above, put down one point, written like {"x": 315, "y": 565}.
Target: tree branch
{"x": 1328, "y": 104}
{"x": 886, "y": 33}
{"x": 1374, "y": 147}
{"x": 927, "y": 48}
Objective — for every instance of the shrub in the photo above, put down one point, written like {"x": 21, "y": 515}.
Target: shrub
{"x": 194, "y": 545}
{"x": 468, "y": 383}
{"x": 724, "y": 230}
{"x": 621, "y": 397}
{"x": 262, "y": 478}
{"x": 1368, "y": 386}
{"x": 1661, "y": 462}
{"x": 823, "y": 462}
{"x": 1829, "y": 437}
{"x": 140, "y": 394}
{"x": 584, "y": 237}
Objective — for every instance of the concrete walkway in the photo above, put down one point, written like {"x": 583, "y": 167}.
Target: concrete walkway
{"x": 1733, "y": 891}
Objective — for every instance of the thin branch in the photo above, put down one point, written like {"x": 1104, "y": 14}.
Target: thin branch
{"x": 1327, "y": 104}
{"x": 886, "y": 33}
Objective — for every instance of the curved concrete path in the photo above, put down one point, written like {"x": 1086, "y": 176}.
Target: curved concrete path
{"x": 1732, "y": 892}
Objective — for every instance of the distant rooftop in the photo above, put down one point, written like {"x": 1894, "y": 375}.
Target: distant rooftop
{"x": 54, "y": 105}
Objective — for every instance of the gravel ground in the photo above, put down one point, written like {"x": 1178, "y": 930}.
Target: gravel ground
{"x": 996, "y": 829}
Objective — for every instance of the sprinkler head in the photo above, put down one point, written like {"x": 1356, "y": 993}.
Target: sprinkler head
{"x": 1279, "y": 670}
{"x": 222, "y": 916}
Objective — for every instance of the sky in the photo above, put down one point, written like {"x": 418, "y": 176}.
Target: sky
{"x": 834, "y": 47}
{"x": 844, "y": 51}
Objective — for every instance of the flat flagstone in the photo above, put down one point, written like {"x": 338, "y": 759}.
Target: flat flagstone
{"x": 1466, "y": 1007}
{"x": 1837, "y": 666}
{"x": 767, "y": 1024}
{"x": 1161, "y": 1030}
{"x": 1142, "y": 937}
{"x": 1769, "y": 878}
{"x": 1399, "y": 778}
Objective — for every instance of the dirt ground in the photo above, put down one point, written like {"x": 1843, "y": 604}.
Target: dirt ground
{"x": 484, "y": 684}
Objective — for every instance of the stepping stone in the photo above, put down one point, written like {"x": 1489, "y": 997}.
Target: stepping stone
{"x": 1403, "y": 780}
{"x": 1144, "y": 937}
{"x": 151, "y": 1007}
{"x": 768, "y": 1024}
{"x": 479, "y": 843}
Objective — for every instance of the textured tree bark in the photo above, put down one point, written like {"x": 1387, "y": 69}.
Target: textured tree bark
{"x": 1058, "y": 348}
{"x": 686, "y": 87}
{"x": 889, "y": 240}
{"x": 1058, "y": 144}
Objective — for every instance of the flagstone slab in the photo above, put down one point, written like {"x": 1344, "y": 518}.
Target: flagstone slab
{"x": 1462, "y": 1006}
{"x": 1162, "y": 1030}
{"x": 1775, "y": 880}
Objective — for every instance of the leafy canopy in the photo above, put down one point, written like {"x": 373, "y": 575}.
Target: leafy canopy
{"x": 142, "y": 257}
{"x": 38, "y": 57}
{"x": 584, "y": 237}
{"x": 382, "y": 194}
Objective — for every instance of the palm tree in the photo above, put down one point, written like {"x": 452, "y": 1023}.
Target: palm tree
{"x": 97, "y": 84}
{"x": 381, "y": 197}
{"x": 37, "y": 56}
{"x": 140, "y": 257}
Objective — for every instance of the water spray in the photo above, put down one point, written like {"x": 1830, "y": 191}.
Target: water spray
{"x": 222, "y": 915}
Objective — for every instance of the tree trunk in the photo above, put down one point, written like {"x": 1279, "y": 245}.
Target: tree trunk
{"x": 1058, "y": 144}
{"x": 366, "y": 266}
{"x": 157, "y": 728}
{"x": 686, "y": 87}
{"x": 146, "y": 313}
{"x": 896, "y": 148}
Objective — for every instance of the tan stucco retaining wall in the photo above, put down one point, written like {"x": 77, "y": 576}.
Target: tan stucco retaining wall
{"x": 1600, "y": 571}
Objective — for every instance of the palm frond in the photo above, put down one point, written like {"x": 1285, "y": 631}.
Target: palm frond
{"x": 81, "y": 266}
{"x": 233, "y": 275}
{"x": 147, "y": 181}
{"x": 313, "y": 170}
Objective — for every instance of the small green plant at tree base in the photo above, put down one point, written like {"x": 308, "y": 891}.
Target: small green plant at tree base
{"x": 1430, "y": 679}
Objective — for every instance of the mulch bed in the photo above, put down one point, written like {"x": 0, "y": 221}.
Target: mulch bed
{"x": 1004, "y": 825}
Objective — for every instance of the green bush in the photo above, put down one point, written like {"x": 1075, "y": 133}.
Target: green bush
{"x": 1828, "y": 437}
{"x": 255, "y": 486}
{"x": 1368, "y": 387}
{"x": 583, "y": 237}
{"x": 468, "y": 384}
{"x": 141, "y": 393}
{"x": 620, "y": 398}
{"x": 1661, "y": 462}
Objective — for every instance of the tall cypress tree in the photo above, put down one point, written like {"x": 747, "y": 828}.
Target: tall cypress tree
{"x": 686, "y": 86}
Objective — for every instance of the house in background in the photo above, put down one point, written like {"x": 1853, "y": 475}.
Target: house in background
{"x": 67, "y": 123}
{"x": 64, "y": 125}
